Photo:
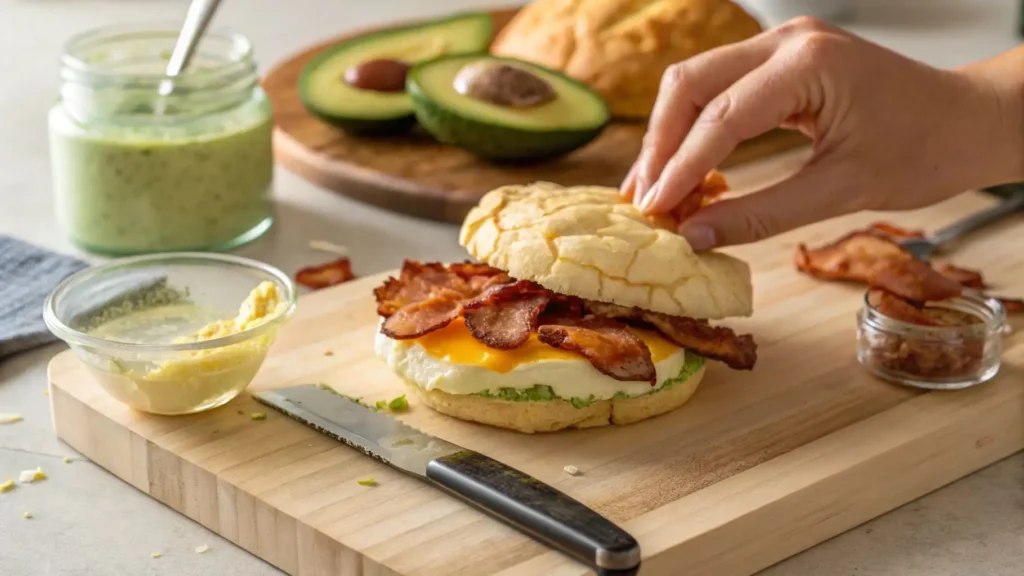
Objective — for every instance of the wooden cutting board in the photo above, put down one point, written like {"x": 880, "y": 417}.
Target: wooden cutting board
{"x": 416, "y": 175}
{"x": 758, "y": 466}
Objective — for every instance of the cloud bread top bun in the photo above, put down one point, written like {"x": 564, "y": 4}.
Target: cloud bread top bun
{"x": 621, "y": 47}
{"x": 588, "y": 241}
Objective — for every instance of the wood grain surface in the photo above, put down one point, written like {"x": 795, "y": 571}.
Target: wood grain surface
{"x": 758, "y": 466}
{"x": 414, "y": 174}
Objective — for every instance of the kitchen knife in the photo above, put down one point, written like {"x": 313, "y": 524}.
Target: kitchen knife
{"x": 526, "y": 503}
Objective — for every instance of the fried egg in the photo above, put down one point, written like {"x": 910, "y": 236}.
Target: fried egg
{"x": 452, "y": 360}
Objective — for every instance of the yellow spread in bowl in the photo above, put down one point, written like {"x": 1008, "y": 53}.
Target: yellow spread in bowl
{"x": 191, "y": 381}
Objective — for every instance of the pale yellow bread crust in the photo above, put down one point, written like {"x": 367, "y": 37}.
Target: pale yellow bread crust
{"x": 554, "y": 415}
{"x": 621, "y": 48}
{"x": 587, "y": 241}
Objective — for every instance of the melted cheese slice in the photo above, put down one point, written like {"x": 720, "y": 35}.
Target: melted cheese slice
{"x": 454, "y": 343}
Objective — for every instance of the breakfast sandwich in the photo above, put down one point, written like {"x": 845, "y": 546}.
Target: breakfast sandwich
{"x": 578, "y": 312}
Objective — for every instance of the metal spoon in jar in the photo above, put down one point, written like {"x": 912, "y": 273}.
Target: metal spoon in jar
{"x": 198, "y": 17}
{"x": 923, "y": 248}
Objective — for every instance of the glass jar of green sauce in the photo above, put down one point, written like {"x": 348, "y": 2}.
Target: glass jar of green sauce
{"x": 135, "y": 171}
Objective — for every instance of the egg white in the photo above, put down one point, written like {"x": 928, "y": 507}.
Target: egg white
{"x": 567, "y": 378}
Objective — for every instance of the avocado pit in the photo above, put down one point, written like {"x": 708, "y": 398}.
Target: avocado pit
{"x": 503, "y": 85}
{"x": 378, "y": 75}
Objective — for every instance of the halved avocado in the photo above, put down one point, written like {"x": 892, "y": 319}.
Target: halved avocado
{"x": 574, "y": 117}
{"x": 326, "y": 94}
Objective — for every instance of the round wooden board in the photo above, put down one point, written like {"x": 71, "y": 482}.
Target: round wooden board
{"x": 414, "y": 174}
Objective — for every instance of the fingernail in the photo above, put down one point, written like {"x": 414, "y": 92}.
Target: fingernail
{"x": 648, "y": 199}
{"x": 639, "y": 191}
{"x": 699, "y": 237}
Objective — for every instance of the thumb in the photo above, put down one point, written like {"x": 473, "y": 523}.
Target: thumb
{"x": 811, "y": 195}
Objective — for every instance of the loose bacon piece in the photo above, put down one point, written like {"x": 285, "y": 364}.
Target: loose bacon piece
{"x": 964, "y": 276}
{"x": 324, "y": 275}
{"x": 914, "y": 280}
{"x": 504, "y": 315}
{"x": 895, "y": 232}
{"x": 717, "y": 343}
{"x": 1012, "y": 305}
{"x": 609, "y": 347}
{"x": 852, "y": 257}
{"x": 424, "y": 316}
{"x": 879, "y": 262}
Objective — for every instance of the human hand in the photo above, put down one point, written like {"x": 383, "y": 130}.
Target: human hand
{"x": 889, "y": 133}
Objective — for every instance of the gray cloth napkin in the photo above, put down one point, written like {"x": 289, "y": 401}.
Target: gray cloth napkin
{"x": 27, "y": 275}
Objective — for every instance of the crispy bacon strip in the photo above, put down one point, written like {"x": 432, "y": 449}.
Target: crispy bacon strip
{"x": 504, "y": 315}
{"x": 714, "y": 342}
{"x": 707, "y": 192}
{"x": 895, "y": 232}
{"x": 964, "y": 276}
{"x": 607, "y": 344}
{"x": 424, "y": 316}
{"x": 327, "y": 274}
{"x": 418, "y": 281}
{"x": 1012, "y": 305}
{"x": 879, "y": 262}
{"x": 852, "y": 257}
{"x": 913, "y": 280}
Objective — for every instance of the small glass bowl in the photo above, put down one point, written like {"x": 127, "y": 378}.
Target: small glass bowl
{"x": 933, "y": 357}
{"x": 125, "y": 321}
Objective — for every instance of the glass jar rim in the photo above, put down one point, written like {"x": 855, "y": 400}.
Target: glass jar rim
{"x": 243, "y": 50}
{"x": 992, "y": 322}
{"x": 72, "y": 336}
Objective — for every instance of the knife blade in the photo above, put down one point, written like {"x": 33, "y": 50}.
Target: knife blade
{"x": 512, "y": 496}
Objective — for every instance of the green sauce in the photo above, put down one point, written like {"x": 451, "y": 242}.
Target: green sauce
{"x": 197, "y": 183}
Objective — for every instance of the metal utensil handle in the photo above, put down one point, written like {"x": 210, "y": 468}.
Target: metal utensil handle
{"x": 977, "y": 220}
{"x": 538, "y": 510}
{"x": 198, "y": 17}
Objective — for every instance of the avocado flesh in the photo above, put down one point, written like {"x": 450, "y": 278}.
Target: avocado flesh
{"x": 325, "y": 93}
{"x": 571, "y": 120}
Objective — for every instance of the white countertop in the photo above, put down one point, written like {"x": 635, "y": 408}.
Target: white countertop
{"x": 87, "y": 522}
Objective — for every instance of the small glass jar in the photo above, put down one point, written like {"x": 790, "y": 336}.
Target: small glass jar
{"x": 933, "y": 357}
{"x": 135, "y": 171}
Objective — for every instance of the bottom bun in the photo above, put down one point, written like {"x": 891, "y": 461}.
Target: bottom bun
{"x": 553, "y": 415}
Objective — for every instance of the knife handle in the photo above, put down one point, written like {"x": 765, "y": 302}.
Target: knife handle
{"x": 539, "y": 510}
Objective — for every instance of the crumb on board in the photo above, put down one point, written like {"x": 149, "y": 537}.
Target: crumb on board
{"x": 46, "y": 391}
{"x": 572, "y": 470}
{"x": 67, "y": 460}
{"x": 325, "y": 246}
{"x": 7, "y": 486}
{"x": 29, "y": 476}
{"x": 10, "y": 418}
{"x": 328, "y": 352}
{"x": 202, "y": 549}
{"x": 367, "y": 482}
{"x": 155, "y": 555}
{"x": 27, "y": 515}
{"x": 258, "y": 416}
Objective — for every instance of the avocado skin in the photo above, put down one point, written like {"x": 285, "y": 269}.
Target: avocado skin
{"x": 493, "y": 142}
{"x": 370, "y": 127}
